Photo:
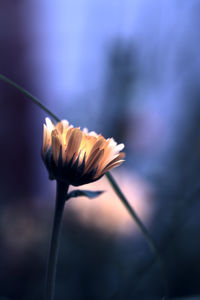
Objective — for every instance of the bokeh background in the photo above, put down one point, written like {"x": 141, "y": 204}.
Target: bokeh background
{"x": 128, "y": 69}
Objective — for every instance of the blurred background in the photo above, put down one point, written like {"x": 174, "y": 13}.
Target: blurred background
{"x": 128, "y": 69}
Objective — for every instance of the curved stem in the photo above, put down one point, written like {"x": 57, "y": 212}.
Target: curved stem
{"x": 54, "y": 245}
{"x": 142, "y": 228}
{"x": 29, "y": 95}
{"x": 112, "y": 182}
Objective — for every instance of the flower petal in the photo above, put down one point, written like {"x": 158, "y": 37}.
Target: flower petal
{"x": 73, "y": 143}
{"x": 80, "y": 156}
{"x": 98, "y": 145}
{"x": 46, "y": 139}
{"x": 118, "y": 158}
{"x": 119, "y": 148}
{"x": 111, "y": 166}
{"x": 56, "y": 145}
{"x": 93, "y": 160}
{"x": 50, "y": 124}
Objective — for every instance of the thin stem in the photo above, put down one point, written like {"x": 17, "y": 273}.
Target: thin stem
{"x": 112, "y": 182}
{"x": 54, "y": 245}
{"x": 29, "y": 95}
{"x": 142, "y": 228}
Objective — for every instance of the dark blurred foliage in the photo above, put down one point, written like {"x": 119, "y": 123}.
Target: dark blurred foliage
{"x": 95, "y": 264}
{"x": 14, "y": 109}
{"x": 120, "y": 78}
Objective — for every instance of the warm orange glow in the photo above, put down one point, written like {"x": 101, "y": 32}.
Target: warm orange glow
{"x": 107, "y": 213}
{"x": 98, "y": 153}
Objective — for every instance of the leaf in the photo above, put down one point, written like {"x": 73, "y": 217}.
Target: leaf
{"x": 84, "y": 193}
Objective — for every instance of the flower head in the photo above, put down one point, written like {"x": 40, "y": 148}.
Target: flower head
{"x": 78, "y": 157}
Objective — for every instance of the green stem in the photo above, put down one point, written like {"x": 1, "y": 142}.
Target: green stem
{"x": 112, "y": 182}
{"x": 29, "y": 95}
{"x": 54, "y": 245}
{"x": 142, "y": 228}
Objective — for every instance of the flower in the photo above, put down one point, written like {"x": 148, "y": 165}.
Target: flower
{"x": 78, "y": 157}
